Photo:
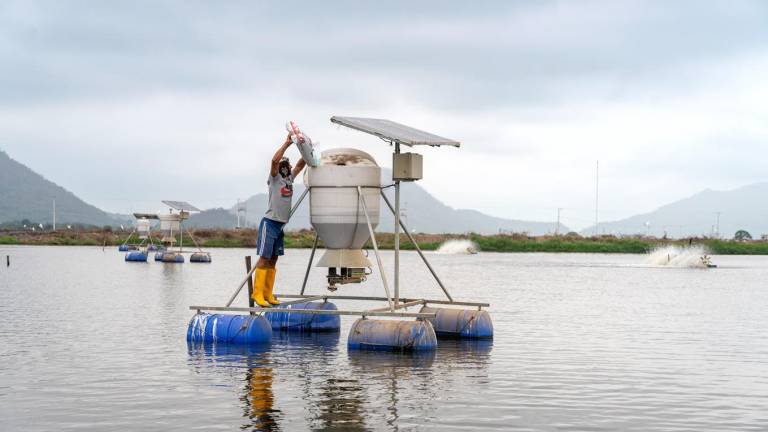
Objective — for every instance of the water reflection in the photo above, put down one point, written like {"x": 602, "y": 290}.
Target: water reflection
{"x": 257, "y": 394}
{"x": 393, "y": 376}
{"x": 325, "y": 341}
{"x": 333, "y": 399}
{"x": 258, "y": 397}
{"x": 356, "y": 391}
{"x": 476, "y": 352}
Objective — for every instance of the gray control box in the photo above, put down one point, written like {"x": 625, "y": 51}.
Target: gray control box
{"x": 407, "y": 166}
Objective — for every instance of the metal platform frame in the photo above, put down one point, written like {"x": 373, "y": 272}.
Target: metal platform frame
{"x": 394, "y": 303}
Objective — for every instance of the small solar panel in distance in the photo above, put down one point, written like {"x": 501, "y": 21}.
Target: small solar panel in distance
{"x": 181, "y": 205}
{"x": 393, "y": 131}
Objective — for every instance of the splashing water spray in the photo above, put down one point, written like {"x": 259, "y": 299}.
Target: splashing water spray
{"x": 681, "y": 257}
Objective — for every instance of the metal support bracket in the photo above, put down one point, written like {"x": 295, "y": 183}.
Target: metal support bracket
{"x": 376, "y": 249}
{"x": 418, "y": 249}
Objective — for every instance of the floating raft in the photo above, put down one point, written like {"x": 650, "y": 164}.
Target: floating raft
{"x": 305, "y": 322}
{"x": 313, "y": 313}
{"x": 229, "y": 329}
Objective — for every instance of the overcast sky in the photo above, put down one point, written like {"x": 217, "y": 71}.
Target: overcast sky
{"x": 127, "y": 103}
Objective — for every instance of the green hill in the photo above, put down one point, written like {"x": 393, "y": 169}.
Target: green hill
{"x": 24, "y": 194}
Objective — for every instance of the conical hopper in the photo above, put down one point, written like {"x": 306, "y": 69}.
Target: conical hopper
{"x": 336, "y": 211}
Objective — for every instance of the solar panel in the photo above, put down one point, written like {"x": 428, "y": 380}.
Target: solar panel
{"x": 393, "y": 132}
{"x": 181, "y": 205}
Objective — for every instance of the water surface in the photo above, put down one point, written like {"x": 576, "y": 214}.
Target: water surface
{"x": 583, "y": 342}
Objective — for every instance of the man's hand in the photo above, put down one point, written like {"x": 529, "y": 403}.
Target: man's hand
{"x": 279, "y": 155}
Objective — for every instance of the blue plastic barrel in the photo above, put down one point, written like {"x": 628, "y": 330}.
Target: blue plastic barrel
{"x": 228, "y": 329}
{"x": 461, "y": 323}
{"x": 125, "y": 248}
{"x": 390, "y": 335}
{"x": 200, "y": 257}
{"x": 136, "y": 256}
{"x": 305, "y": 322}
{"x": 171, "y": 257}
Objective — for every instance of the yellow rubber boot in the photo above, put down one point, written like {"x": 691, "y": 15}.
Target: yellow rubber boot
{"x": 259, "y": 286}
{"x": 270, "y": 286}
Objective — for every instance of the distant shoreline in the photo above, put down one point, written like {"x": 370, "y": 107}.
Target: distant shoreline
{"x": 246, "y": 238}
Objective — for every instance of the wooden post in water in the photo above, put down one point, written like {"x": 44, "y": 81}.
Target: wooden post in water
{"x": 7, "y": 260}
{"x": 250, "y": 283}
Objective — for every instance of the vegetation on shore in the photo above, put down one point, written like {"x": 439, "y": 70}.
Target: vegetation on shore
{"x": 215, "y": 238}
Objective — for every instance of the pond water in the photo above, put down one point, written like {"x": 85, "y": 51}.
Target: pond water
{"x": 89, "y": 342}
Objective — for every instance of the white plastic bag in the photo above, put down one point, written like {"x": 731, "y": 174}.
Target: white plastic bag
{"x": 304, "y": 143}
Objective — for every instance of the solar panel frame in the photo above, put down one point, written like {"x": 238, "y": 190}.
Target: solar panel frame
{"x": 181, "y": 205}
{"x": 394, "y": 132}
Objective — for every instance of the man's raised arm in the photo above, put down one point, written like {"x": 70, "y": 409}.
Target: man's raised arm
{"x": 279, "y": 155}
{"x": 299, "y": 166}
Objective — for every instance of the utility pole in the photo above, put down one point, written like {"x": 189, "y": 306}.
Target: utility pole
{"x": 557, "y": 226}
{"x": 54, "y": 214}
{"x": 237, "y": 210}
{"x": 597, "y": 193}
{"x": 718, "y": 224}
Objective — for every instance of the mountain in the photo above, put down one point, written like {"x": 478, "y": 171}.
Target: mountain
{"x": 742, "y": 208}
{"x": 422, "y": 213}
{"x": 25, "y": 194}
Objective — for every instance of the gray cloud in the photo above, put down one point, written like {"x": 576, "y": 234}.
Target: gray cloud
{"x": 446, "y": 56}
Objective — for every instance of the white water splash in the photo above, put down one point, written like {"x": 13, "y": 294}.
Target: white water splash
{"x": 457, "y": 247}
{"x": 676, "y": 256}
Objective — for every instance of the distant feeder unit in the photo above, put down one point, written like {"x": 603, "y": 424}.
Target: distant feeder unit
{"x": 142, "y": 231}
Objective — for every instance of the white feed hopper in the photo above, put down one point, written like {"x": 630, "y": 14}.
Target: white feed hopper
{"x": 142, "y": 227}
{"x": 336, "y": 211}
{"x": 169, "y": 224}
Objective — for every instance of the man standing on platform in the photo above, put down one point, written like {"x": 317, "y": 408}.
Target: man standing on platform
{"x": 270, "y": 240}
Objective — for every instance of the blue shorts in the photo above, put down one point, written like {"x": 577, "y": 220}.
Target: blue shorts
{"x": 270, "y": 242}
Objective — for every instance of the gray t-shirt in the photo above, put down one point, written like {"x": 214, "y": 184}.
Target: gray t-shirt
{"x": 280, "y": 195}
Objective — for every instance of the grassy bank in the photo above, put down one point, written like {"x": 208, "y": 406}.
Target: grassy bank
{"x": 219, "y": 238}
